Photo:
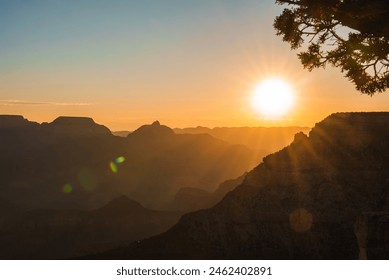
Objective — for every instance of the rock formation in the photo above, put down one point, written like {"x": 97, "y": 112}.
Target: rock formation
{"x": 75, "y": 163}
{"x": 303, "y": 202}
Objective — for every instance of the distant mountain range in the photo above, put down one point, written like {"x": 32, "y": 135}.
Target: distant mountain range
{"x": 70, "y": 187}
{"x": 325, "y": 196}
{"x": 75, "y": 163}
{"x": 265, "y": 140}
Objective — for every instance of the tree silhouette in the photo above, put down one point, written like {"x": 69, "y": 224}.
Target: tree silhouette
{"x": 349, "y": 34}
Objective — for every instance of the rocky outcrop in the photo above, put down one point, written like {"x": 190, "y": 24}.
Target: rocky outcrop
{"x": 153, "y": 132}
{"x": 302, "y": 202}
{"x": 12, "y": 121}
{"x": 78, "y": 126}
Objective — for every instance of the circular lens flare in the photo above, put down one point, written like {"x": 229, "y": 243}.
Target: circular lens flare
{"x": 67, "y": 188}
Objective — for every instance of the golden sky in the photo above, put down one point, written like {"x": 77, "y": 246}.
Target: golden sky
{"x": 185, "y": 63}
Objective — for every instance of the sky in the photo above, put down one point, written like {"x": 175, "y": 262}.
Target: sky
{"x": 182, "y": 62}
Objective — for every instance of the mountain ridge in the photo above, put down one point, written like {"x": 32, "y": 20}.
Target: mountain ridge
{"x": 39, "y": 161}
{"x": 303, "y": 202}
{"x": 266, "y": 140}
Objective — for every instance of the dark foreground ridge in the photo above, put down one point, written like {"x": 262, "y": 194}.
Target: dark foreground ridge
{"x": 325, "y": 196}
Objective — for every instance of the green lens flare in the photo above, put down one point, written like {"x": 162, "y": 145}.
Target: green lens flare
{"x": 113, "y": 167}
{"x": 120, "y": 159}
{"x": 67, "y": 188}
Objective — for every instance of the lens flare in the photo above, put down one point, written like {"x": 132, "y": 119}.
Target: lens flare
{"x": 120, "y": 159}
{"x": 113, "y": 167}
{"x": 67, "y": 188}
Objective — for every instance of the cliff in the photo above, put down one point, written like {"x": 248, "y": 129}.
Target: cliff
{"x": 303, "y": 202}
{"x": 12, "y": 121}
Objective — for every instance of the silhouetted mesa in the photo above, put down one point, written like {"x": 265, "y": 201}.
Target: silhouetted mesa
{"x": 79, "y": 126}
{"x": 8, "y": 121}
{"x": 306, "y": 201}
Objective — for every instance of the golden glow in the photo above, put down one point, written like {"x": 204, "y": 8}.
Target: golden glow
{"x": 273, "y": 98}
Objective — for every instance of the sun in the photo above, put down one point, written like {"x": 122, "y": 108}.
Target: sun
{"x": 273, "y": 98}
